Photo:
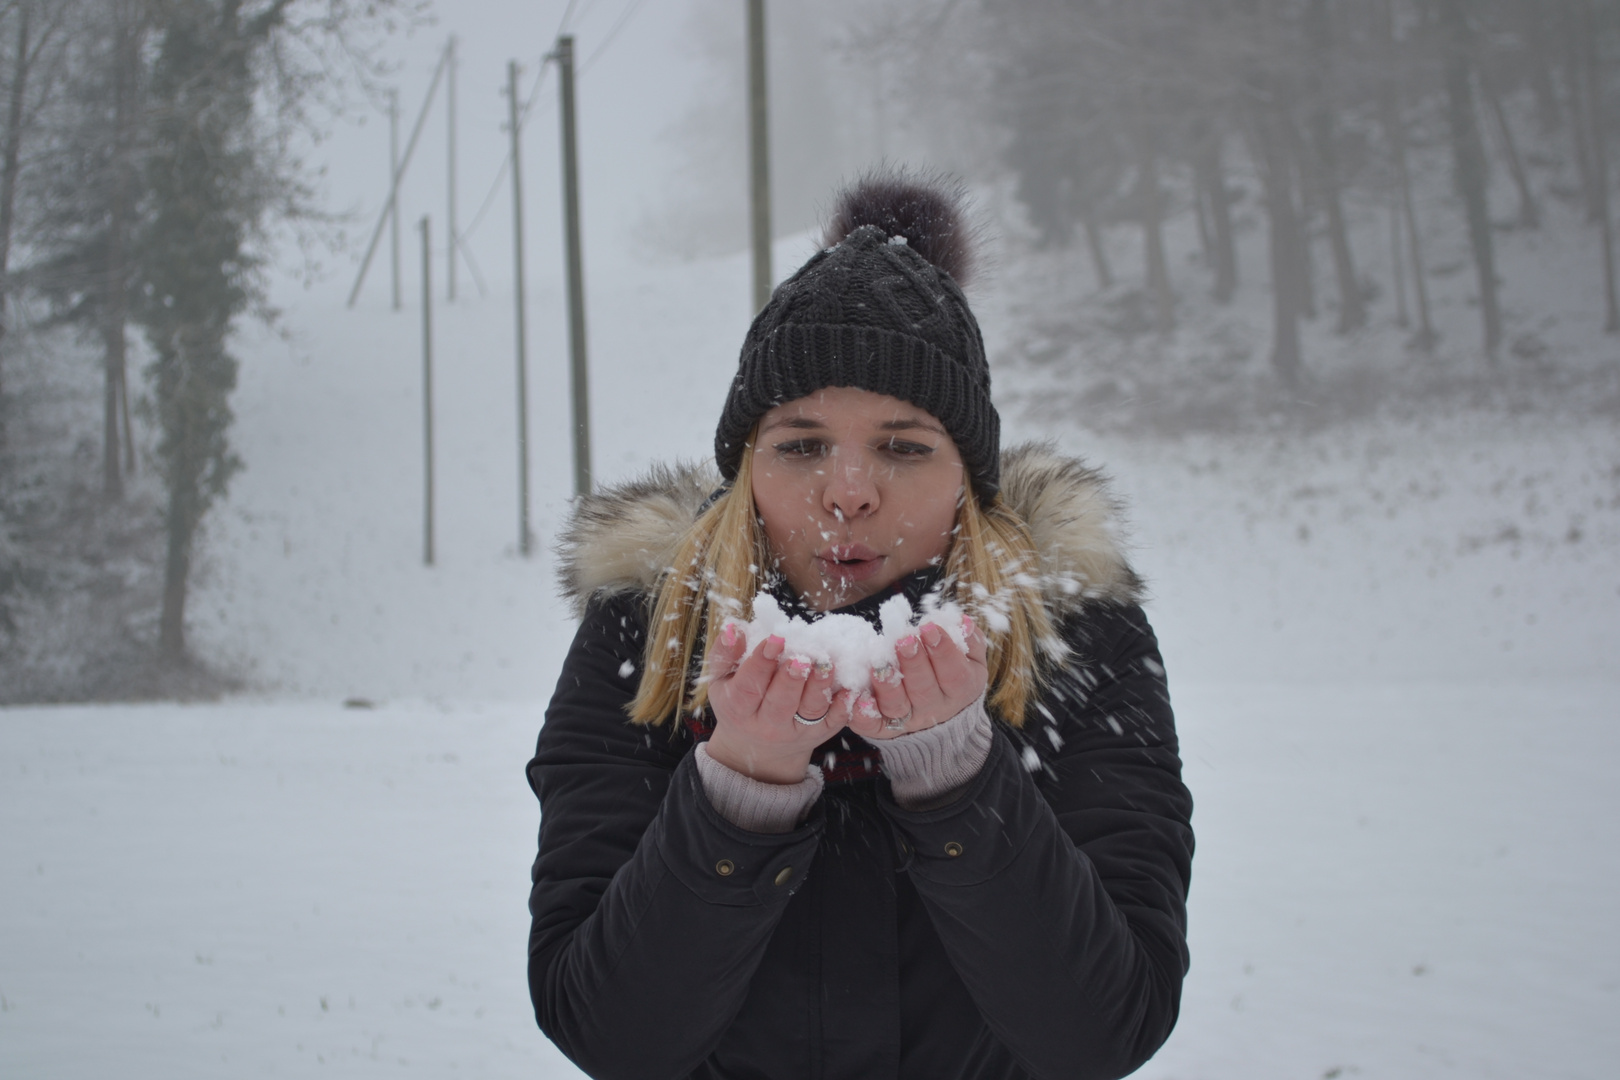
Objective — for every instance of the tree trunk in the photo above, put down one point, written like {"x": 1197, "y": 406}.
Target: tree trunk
{"x": 181, "y": 526}
{"x": 1593, "y": 85}
{"x": 1397, "y": 262}
{"x": 129, "y": 427}
{"x": 115, "y": 306}
{"x": 1286, "y": 298}
{"x": 1293, "y": 149}
{"x": 1389, "y": 111}
{"x": 1211, "y": 181}
{"x": 1529, "y": 214}
{"x": 1352, "y": 309}
{"x": 1580, "y": 127}
{"x": 10, "y": 163}
{"x": 1468, "y": 156}
{"x": 1533, "y": 25}
{"x": 112, "y": 472}
{"x": 1151, "y": 203}
{"x": 1200, "y": 205}
{"x": 185, "y": 429}
{"x": 1094, "y": 242}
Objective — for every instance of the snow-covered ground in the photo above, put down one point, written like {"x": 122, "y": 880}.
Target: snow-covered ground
{"x": 1400, "y": 879}
{"x": 1390, "y": 644}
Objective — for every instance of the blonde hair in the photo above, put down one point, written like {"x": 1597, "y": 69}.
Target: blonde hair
{"x": 991, "y": 569}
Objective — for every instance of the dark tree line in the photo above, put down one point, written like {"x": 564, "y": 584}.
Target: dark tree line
{"x": 1123, "y": 109}
{"x": 144, "y": 155}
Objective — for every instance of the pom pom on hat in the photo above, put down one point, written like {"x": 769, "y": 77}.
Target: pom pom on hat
{"x": 927, "y": 212}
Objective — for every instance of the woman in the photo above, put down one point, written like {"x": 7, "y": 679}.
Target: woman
{"x": 974, "y": 866}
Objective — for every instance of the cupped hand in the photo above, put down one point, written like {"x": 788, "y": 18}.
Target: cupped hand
{"x": 754, "y": 699}
{"x": 932, "y": 682}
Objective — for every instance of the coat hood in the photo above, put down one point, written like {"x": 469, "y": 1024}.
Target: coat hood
{"x": 622, "y": 539}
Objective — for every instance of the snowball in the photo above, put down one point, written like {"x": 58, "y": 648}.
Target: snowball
{"x": 848, "y": 642}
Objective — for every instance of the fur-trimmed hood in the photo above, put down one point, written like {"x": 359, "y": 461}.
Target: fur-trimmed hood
{"x": 622, "y": 539}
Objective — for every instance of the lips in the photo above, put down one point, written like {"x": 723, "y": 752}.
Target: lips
{"x": 849, "y": 562}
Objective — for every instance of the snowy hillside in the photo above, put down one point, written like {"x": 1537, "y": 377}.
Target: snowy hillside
{"x": 1389, "y": 605}
{"x": 1390, "y": 641}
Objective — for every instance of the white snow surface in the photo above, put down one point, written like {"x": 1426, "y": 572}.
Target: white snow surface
{"x": 1390, "y": 643}
{"x": 849, "y": 643}
{"x": 1390, "y": 646}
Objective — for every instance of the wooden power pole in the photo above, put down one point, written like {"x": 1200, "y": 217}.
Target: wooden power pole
{"x": 393, "y": 206}
{"x": 427, "y": 396}
{"x": 759, "y": 156}
{"x": 576, "y": 270}
{"x": 450, "y": 179}
{"x": 520, "y": 302}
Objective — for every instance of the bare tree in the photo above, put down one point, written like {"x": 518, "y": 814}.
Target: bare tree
{"x": 1394, "y": 127}
{"x": 32, "y": 26}
{"x": 1324, "y": 144}
{"x": 1591, "y": 85}
{"x": 1454, "y": 38}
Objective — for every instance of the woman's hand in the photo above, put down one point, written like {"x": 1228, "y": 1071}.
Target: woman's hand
{"x": 934, "y": 681}
{"x": 755, "y": 701}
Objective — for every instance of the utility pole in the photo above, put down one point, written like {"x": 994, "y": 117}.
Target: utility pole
{"x": 393, "y": 179}
{"x": 450, "y": 157}
{"x": 390, "y": 208}
{"x": 427, "y": 396}
{"x": 525, "y": 539}
{"x": 759, "y": 156}
{"x": 576, "y": 270}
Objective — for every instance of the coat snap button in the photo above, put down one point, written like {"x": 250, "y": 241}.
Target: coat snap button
{"x": 953, "y": 849}
{"x": 725, "y": 867}
{"x": 782, "y": 878}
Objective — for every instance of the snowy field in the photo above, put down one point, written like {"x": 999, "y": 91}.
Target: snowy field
{"x": 1410, "y": 880}
{"x": 1391, "y": 646}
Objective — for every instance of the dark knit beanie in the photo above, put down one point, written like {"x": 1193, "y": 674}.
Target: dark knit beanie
{"x": 879, "y": 309}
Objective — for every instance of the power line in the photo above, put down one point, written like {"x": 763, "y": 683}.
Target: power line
{"x": 624, "y": 20}
{"x": 533, "y": 97}
{"x": 506, "y": 162}
{"x": 568, "y": 13}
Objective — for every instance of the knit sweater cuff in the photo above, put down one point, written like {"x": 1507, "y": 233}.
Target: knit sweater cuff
{"x": 753, "y": 804}
{"x": 927, "y": 768}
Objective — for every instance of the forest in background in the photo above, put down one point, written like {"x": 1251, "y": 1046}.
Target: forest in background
{"x": 1127, "y": 115}
{"x": 1375, "y": 153}
{"x": 146, "y": 153}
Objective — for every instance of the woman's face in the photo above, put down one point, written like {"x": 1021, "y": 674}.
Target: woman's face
{"x": 856, "y": 490}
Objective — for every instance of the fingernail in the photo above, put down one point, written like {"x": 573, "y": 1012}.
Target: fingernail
{"x": 967, "y": 624}
{"x": 907, "y": 646}
{"x": 799, "y": 669}
{"x": 867, "y": 706}
{"x": 823, "y": 668}
{"x": 931, "y": 635}
{"x": 728, "y": 634}
{"x": 774, "y": 646}
{"x": 887, "y": 674}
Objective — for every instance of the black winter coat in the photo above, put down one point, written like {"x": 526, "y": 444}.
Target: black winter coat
{"x": 1033, "y": 927}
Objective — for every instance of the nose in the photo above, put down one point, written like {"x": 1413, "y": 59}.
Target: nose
{"x": 852, "y": 489}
